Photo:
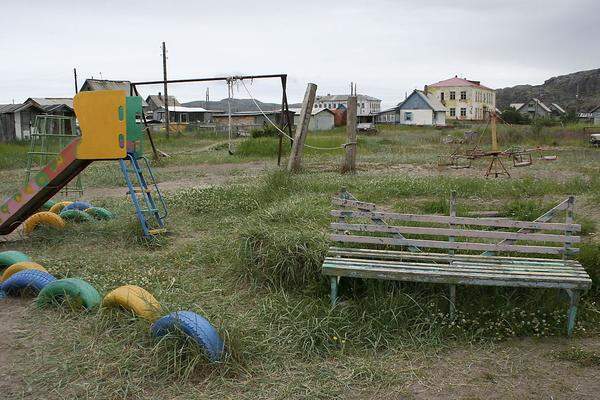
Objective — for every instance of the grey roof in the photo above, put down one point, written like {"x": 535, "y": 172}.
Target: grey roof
{"x": 51, "y": 101}
{"x": 344, "y": 97}
{"x": 434, "y": 103}
{"x": 8, "y": 108}
{"x": 388, "y": 110}
{"x": 243, "y": 113}
{"x": 537, "y": 101}
{"x": 593, "y": 110}
{"x": 159, "y": 100}
{"x": 296, "y": 111}
{"x": 517, "y": 106}
{"x": 106, "y": 84}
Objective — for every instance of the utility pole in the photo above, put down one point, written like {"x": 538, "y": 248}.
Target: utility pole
{"x": 207, "y": 98}
{"x": 75, "y": 76}
{"x": 166, "y": 101}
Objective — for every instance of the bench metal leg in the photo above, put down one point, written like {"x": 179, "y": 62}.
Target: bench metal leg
{"x": 452, "y": 307}
{"x": 573, "y": 302}
{"x": 334, "y": 289}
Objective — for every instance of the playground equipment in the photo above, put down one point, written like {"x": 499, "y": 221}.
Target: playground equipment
{"x": 109, "y": 131}
{"x": 521, "y": 157}
{"x": 8, "y": 258}
{"x": 76, "y": 290}
{"x": 43, "y": 218}
{"x": 135, "y": 299}
{"x": 20, "y": 266}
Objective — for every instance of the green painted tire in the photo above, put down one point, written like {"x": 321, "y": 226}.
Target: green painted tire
{"x": 10, "y": 257}
{"x": 76, "y": 290}
{"x": 99, "y": 213}
{"x": 75, "y": 216}
{"x": 48, "y": 205}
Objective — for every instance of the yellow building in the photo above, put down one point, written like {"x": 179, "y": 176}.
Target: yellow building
{"x": 464, "y": 99}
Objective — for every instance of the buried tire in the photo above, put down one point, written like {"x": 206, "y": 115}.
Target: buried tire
{"x": 99, "y": 213}
{"x": 10, "y": 257}
{"x": 20, "y": 266}
{"x": 194, "y": 326}
{"x": 135, "y": 299}
{"x": 42, "y": 218}
{"x": 29, "y": 279}
{"x": 75, "y": 216}
{"x": 57, "y": 208}
{"x": 76, "y": 290}
{"x": 78, "y": 205}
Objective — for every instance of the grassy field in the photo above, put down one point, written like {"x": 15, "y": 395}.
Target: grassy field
{"x": 244, "y": 249}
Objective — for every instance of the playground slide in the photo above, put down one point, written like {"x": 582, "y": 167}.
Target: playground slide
{"x": 101, "y": 116}
{"x": 41, "y": 188}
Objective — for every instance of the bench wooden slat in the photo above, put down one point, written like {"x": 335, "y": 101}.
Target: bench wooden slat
{"x": 454, "y": 267}
{"x": 353, "y": 203}
{"x": 443, "y": 219}
{"x": 448, "y": 245}
{"x": 399, "y": 255}
{"x": 471, "y": 233}
{"x": 474, "y": 279}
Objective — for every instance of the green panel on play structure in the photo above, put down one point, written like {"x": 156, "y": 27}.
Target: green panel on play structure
{"x": 133, "y": 105}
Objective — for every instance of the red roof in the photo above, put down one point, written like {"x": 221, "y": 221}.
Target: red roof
{"x": 456, "y": 81}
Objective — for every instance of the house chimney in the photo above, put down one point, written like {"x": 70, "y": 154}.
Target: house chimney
{"x": 425, "y": 90}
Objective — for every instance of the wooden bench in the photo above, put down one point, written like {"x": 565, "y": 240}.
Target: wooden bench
{"x": 399, "y": 256}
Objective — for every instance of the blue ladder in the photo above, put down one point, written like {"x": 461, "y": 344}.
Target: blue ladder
{"x": 151, "y": 217}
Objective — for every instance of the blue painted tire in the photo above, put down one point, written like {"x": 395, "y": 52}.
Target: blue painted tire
{"x": 28, "y": 279}
{"x": 194, "y": 326}
{"x": 78, "y": 205}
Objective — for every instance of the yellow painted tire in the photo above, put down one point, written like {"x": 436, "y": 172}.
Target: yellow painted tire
{"x": 20, "y": 266}
{"x": 43, "y": 218}
{"x": 135, "y": 299}
{"x": 57, "y": 208}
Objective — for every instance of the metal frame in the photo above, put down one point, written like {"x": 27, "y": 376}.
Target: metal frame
{"x": 285, "y": 110}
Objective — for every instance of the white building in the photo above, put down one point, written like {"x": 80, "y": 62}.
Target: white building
{"x": 320, "y": 120}
{"x": 367, "y": 106}
{"x": 417, "y": 109}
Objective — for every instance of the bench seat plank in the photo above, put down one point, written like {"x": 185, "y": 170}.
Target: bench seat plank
{"x": 401, "y": 255}
{"x": 510, "y": 270}
{"x": 375, "y": 271}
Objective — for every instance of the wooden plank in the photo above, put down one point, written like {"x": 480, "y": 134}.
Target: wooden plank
{"x": 449, "y": 277}
{"x": 443, "y": 219}
{"x": 505, "y": 270}
{"x": 471, "y": 233}
{"x": 547, "y": 216}
{"x": 446, "y": 245}
{"x": 353, "y": 203}
{"x": 395, "y": 254}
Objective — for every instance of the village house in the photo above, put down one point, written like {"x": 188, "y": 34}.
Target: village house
{"x": 184, "y": 115}
{"x": 320, "y": 120}
{"x": 535, "y": 108}
{"x": 244, "y": 121}
{"x": 367, "y": 107}
{"x": 154, "y": 102}
{"x": 17, "y": 120}
{"x": 464, "y": 99}
{"x": 418, "y": 109}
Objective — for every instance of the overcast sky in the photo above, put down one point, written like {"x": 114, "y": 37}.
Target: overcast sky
{"x": 388, "y": 47}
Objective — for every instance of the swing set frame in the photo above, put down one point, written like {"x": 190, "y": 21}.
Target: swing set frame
{"x": 286, "y": 124}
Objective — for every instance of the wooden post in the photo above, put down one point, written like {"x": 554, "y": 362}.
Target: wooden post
{"x": 452, "y": 287}
{"x": 351, "y": 120}
{"x": 494, "y": 136}
{"x": 166, "y": 99}
{"x": 295, "y": 161}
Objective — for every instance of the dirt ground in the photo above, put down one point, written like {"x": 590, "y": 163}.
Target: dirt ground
{"x": 12, "y": 312}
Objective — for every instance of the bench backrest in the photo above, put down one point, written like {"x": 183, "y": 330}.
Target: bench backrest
{"x": 360, "y": 222}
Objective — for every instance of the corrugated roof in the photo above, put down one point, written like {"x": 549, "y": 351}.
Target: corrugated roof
{"x": 559, "y": 108}
{"x": 8, "y": 108}
{"x": 344, "y": 97}
{"x": 186, "y": 109}
{"x": 106, "y": 84}
{"x": 297, "y": 111}
{"x": 159, "y": 100}
{"x": 456, "y": 82}
{"x": 49, "y": 101}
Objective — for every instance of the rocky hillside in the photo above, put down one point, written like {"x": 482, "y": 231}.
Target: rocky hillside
{"x": 237, "y": 105}
{"x": 560, "y": 89}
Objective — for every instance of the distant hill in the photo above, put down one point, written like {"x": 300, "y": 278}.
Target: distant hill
{"x": 237, "y": 105}
{"x": 560, "y": 89}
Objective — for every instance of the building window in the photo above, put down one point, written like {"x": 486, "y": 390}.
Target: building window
{"x": 452, "y": 95}
{"x": 408, "y": 116}
{"x": 183, "y": 118}
{"x": 463, "y": 95}
{"x": 453, "y": 112}
{"x": 463, "y": 112}
{"x": 442, "y": 96}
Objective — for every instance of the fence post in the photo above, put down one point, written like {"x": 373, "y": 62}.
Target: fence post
{"x": 295, "y": 161}
{"x": 350, "y": 160}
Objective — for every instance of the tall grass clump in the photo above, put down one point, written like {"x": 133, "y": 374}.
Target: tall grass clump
{"x": 281, "y": 257}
